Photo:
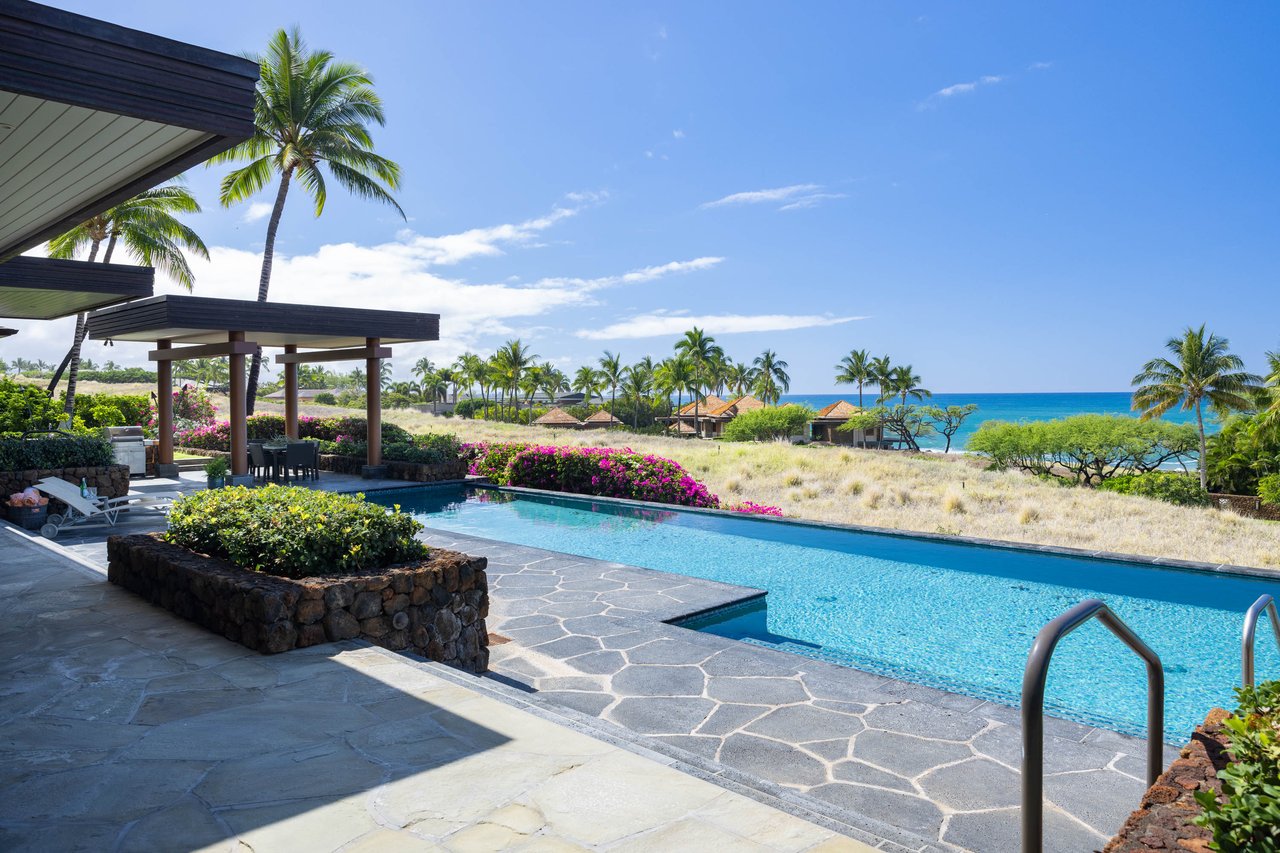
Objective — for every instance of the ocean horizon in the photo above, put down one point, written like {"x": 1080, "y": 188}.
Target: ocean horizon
{"x": 1014, "y": 407}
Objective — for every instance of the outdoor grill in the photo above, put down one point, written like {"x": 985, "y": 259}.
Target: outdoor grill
{"x": 128, "y": 447}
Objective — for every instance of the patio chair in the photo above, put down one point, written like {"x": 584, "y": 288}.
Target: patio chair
{"x": 259, "y": 465}
{"x": 300, "y": 458}
{"x": 81, "y": 509}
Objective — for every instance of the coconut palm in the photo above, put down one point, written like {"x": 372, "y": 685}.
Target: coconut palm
{"x": 1201, "y": 369}
{"x": 310, "y": 111}
{"x": 512, "y": 360}
{"x": 611, "y": 374}
{"x": 881, "y": 369}
{"x": 702, "y": 351}
{"x": 772, "y": 380}
{"x": 422, "y": 367}
{"x": 856, "y": 368}
{"x": 636, "y": 385}
{"x": 587, "y": 383}
{"x": 739, "y": 377}
{"x": 148, "y": 227}
{"x": 902, "y": 382}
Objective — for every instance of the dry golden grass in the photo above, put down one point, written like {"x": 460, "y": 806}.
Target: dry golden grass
{"x": 929, "y": 492}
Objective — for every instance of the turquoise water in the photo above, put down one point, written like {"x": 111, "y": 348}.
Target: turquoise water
{"x": 952, "y": 616}
{"x": 1006, "y": 407}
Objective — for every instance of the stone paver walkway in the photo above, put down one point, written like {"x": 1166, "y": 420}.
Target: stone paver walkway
{"x": 910, "y": 765}
{"x": 125, "y": 728}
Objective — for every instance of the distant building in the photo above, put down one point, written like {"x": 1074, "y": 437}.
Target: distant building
{"x": 826, "y": 424}
{"x": 558, "y": 418}
{"x": 601, "y": 420}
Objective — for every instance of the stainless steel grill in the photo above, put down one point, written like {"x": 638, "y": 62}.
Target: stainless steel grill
{"x": 129, "y": 446}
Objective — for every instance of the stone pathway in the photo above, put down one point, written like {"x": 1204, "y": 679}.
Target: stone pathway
{"x": 909, "y": 766}
{"x": 125, "y": 728}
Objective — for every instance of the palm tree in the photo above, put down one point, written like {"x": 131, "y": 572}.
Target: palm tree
{"x": 772, "y": 380}
{"x": 881, "y": 371}
{"x": 422, "y": 367}
{"x": 148, "y": 226}
{"x": 310, "y": 110}
{"x": 433, "y": 386}
{"x": 701, "y": 350}
{"x": 611, "y": 374}
{"x": 1269, "y": 394}
{"x": 636, "y": 385}
{"x": 512, "y": 359}
{"x": 586, "y": 382}
{"x": 856, "y": 367}
{"x": 739, "y": 378}
{"x": 902, "y": 381}
{"x": 1202, "y": 368}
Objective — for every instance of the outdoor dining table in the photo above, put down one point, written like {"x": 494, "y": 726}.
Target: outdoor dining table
{"x": 277, "y": 453}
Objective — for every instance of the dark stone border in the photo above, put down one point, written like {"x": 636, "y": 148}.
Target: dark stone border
{"x": 111, "y": 481}
{"x": 436, "y": 608}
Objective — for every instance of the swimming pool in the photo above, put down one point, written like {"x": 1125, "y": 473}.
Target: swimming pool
{"x": 949, "y": 615}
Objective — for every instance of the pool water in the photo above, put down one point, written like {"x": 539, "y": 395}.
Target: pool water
{"x": 952, "y": 616}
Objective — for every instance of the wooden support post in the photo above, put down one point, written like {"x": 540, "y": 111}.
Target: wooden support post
{"x": 239, "y": 429}
{"x": 291, "y": 395}
{"x": 373, "y": 404}
{"x": 164, "y": 407}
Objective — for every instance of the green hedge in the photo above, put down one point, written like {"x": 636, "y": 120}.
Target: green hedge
{"x": 1248, "y": 819}
{"x": 433, "y": 448}
{"x": 294, "y": 532}
{"x": 1169, "y": 486}
{"x": 27, "y": 408}
{"x": 52, "y": 453}
{"x": 1269, "y": 489}
{"x": 768, "y": 424}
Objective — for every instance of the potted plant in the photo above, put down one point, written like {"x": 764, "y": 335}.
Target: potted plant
{"x": 216, "y": 472}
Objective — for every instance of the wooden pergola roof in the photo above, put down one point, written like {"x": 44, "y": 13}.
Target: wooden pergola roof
{"x": 558, "y": 417}
{"x": 204, "y": 320}
{"x": 92, "y": 113}
{"x": 45, "y": 288}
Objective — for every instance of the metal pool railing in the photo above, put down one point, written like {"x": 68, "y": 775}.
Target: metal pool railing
{"x": 1264, "y": 604}
{"x": 1033, "y": 685}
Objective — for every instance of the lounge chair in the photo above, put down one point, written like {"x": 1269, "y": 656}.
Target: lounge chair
{"x": 81, "y": 509}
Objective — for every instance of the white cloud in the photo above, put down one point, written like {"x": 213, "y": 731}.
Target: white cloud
{"x": 678, "y": 133}
{"x": 661, "y": 323}
{"x": 796, "y": 197}
{"x": 1039, "y": 66}
{"x": 959, "y": 89}
{"x": 639, "y": 276}
{"x": 255, "y": 211}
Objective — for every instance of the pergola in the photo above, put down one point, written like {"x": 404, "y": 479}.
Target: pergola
{"x": 212, "y": 328}
{"x": 45, "y": 288}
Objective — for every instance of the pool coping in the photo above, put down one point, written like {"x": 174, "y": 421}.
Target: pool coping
{"x": 946, "y": 538}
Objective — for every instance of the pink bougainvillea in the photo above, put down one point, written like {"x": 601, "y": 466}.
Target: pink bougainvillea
{"x": 751, "y": 508}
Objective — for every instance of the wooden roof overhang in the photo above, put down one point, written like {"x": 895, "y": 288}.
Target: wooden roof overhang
{"x": 92, "y": 114}
{"x": 204, "y": 324}
{"x": 47, "y": 288}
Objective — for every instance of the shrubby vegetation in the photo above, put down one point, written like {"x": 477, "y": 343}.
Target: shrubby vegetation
{"x": 44, "y": 453}
{"x": 266, "y": 426}
{"x": 1246, "y": 450}
{"x": 768, "y": 424}
{"x": 1248, "y": 821}
{"x": 1269, "y": 489}
{"x": 294, "y": 532}
{"x": 103, "y": 410}
{"x": 1169, "y": 486}
{"x": 430, "y": 449}
{"x": 25, "y": 408}
{"x": 1089, "y": 448}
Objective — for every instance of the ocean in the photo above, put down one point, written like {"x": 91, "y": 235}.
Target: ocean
{"x": 1008, "y": 407}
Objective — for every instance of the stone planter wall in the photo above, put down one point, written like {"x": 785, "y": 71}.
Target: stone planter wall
{"x": 1163, "y": 820}
{"x": 1246, "y": 505}
{"x": 436, "y": 609}
{"x": 411, "y": 471}
{"x": 111, "y": 481}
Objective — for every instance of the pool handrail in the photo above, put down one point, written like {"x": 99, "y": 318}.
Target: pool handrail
{"x": 1264, "y": 604}
{"x": 1033, "y": 687}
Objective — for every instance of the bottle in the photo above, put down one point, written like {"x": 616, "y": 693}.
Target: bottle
{"x": 84, "y": 488}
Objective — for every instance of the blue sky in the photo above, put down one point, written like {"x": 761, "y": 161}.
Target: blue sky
{"x": 1010, "y": 197}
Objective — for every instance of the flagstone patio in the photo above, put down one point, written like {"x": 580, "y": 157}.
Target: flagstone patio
{"x": 128, "y": 729}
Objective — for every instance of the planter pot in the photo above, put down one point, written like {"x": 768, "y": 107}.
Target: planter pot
{"x": 216, "y": 482}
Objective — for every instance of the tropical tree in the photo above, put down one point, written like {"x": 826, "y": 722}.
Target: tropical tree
{"x": 881, "y": 370}
{"x": 772, "y": 380}
{"x": 701, "y": 351}
{"x": 902, "y": 382}
{"x": 740, "y": 378}
{"x": 148, "y": 227}
{"x": 1271, "y": 391}
{"x": 470, "y": 368}
{"x": 310, "y": 111}
{"x": 611, "y": 373}
{"x": 512, "y": 360}
{"x": 422, "y": 367}
{"x": 858, "y": 367}
{"x": 636, "y": 385}
{"x": 1201, "y": 369}
{"x": 587, "y": 383}
{"x": 433, "y": 386}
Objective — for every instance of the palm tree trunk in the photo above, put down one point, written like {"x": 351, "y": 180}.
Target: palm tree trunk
{"x": 1204, "y": 473}
{"x": 859, "y": 394}
{"x": 72, "y": 361}
{"x": 264, "y": 282}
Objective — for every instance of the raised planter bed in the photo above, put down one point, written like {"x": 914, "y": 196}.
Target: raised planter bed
{"x": 410, "y": 471}
{"x": 435, "y": 608}
{"x": 1163, "y": 820}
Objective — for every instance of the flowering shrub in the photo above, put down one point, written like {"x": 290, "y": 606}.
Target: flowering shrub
{"x": 600, "y": 471}
{"x": 429, "y": 449}
{"x": 751, "y": 508}
{"x": 265, "y": 426}
{"x": 292, "y": 531}
{"x": 192, "y": 408}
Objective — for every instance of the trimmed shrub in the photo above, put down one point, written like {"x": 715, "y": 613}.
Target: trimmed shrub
{"x": 325, "y": 399}
{"x": 1269, "y": 489}
{"x": 1169, "y": 486}
{"x": 1247, "y": 820}
{"x": 485, "y": 459}
{"x": 52, "y": 453}
{"x": 268, "y": 425}
{"x": 26, "y": 408}
{"x": 429, "y": 449}
{"x": 769, "y": 423}
{"x": 101, "y": 410}
{"x": 294, "y": 532}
